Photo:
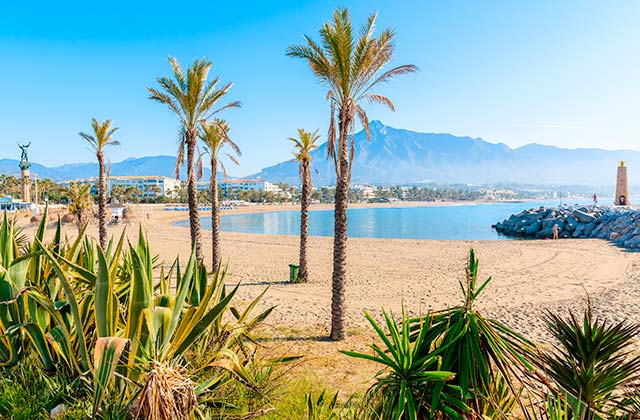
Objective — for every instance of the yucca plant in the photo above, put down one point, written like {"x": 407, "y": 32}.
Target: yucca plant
{"x": 412, "y": 384}
{"x": 594, "y": 360}
{"x": 482, "y": 351}
{"x": 565, "y": 407}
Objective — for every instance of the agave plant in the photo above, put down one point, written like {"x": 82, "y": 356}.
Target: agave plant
{"x": 594, "y": 361}
{"x": 104, "y": 317}
{"x": 482, "y": 351}
{"x": 413, "y": 385}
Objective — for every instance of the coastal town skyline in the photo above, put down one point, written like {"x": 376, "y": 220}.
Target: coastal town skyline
{"x": 540, "y": 72}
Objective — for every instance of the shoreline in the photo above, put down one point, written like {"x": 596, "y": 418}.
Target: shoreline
{"x": 274, "y": 208}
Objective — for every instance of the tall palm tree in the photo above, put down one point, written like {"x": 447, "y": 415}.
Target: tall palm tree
{"x": 193, "y": 99}
{"x": 304, "y": 144}
{"x": 214, "y": 136}
{"x": 350, "y": 65}
{"x": 102, "y": 137}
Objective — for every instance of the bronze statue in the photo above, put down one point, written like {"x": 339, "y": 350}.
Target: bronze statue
{"x": 24, "y": 148}
{"x": 24, "y": 159}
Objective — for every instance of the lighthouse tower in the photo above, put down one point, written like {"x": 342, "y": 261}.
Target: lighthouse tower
{"x": 622, "y": 187}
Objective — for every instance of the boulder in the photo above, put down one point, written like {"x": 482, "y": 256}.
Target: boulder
{"x": 588, "y": 229}
{"x": 582, "y": 217}
{"x": 545, "y": 233}
{"x": 533, "y": 228}
{"x": 579, "y": 231}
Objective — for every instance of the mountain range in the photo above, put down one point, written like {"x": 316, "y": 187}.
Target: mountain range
{"x": 150, "y": 165}
{"x": 396, "y": 156}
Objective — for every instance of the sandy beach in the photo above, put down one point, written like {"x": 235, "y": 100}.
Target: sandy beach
{"x": 528, "y": 278}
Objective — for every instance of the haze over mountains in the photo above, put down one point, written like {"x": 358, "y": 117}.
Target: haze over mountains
{"x": 397, "y": 156}
{"x": 150, "y": 165}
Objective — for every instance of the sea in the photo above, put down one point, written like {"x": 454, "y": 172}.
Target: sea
{"x": 447, "y": 222}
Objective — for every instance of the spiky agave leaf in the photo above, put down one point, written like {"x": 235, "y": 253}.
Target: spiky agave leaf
{"x": 479, "y": 349}
{"x": 106, "y": 356}
{"x": 594, "y": 360}
{"x": 412, "y": 385}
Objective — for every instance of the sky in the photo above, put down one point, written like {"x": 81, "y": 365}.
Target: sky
{"x": 561, "y": 73}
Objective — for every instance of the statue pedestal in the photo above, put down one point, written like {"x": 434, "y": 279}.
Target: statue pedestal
{"x": 25, "y": 177}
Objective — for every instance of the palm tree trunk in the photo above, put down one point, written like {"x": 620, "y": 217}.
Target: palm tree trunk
{"x": 340, "y": 236}
{"x": 215, "y": 215}
{"x": 303, "y": 273}
{"x": 192, "y": 192}
{"x": 102, "y": 203}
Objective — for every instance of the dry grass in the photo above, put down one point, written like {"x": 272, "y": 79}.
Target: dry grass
{"x": 168, "y": 394}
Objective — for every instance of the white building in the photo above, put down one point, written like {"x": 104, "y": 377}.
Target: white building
{"x": 232, "y": 186}
{"x": 149, "y": 186}
{"x": 367, "y": 191}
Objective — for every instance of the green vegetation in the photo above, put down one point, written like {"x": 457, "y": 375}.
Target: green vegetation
{"x": 457, "y": 364}
{"x": 111, "y": 323}
{"x": 80, "y": 204}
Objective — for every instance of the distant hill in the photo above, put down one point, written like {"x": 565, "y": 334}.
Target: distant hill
{"x": 396, "y": 156}
{"x": 151, "y": 165}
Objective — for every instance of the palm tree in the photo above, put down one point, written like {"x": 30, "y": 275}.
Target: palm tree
{"x": 350, "y": 66}
{"x": 102, "y": 137}
{"x": 80, "y": 204}
{"x": 193, "y": 100}
{"x": 304, "y": 144}
{"x": 215, "y": 135}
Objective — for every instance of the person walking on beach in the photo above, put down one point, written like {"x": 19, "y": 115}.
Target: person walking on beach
{"x": 555, "y": 231}
{"x": 595, "y": 199}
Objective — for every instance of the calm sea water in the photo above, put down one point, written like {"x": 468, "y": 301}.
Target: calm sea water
{"x": 463, "y": 222}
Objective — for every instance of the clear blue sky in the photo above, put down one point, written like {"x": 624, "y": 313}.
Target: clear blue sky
{"x": 555, "y": 72}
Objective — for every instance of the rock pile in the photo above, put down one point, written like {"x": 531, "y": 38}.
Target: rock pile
{"x": 618, "y": 224}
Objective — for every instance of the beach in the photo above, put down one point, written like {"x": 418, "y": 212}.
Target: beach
{"x": 529, "y": 277}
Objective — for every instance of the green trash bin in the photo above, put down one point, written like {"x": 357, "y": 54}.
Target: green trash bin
{"x": 293, "y": 272}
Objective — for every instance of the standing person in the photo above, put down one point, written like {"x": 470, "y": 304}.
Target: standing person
{"x": 555, "y": 231}
{"x": 595, "y": 199}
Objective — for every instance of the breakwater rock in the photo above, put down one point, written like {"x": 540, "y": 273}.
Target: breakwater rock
{"x": 618, "y": 224}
